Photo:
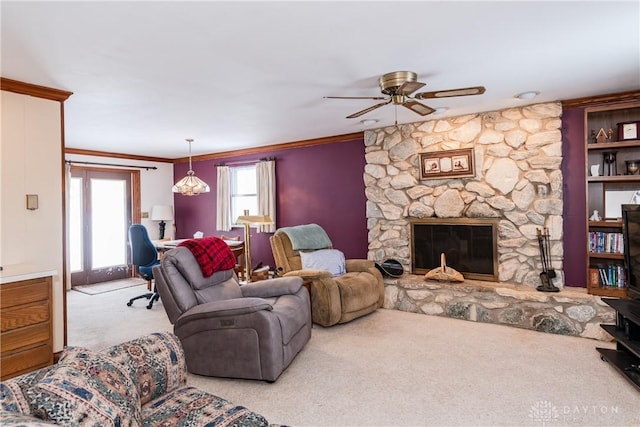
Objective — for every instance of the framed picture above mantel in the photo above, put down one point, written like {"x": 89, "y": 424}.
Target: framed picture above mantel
{"x": 447, "y": 164}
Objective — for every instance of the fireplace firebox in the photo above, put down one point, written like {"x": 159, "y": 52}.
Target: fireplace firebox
{"x": 470, "y": 246}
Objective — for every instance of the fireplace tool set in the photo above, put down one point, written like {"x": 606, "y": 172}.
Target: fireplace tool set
{"x": 548, "y": 273}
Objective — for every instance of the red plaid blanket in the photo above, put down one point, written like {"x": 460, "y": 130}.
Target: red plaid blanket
{"x": 212, "y": 253}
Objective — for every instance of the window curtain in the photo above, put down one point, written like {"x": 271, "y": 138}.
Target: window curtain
{"x": 266, "y": 174}
{"x": 223, "y": 200}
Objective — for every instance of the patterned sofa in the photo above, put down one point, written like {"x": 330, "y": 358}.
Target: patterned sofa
{"x": 137, "y": 383}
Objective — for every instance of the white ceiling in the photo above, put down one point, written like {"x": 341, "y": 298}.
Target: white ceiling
{"x": 231, "y": 75}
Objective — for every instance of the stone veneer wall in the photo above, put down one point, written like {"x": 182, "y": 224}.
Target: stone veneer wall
{"x": 517, "y": 156}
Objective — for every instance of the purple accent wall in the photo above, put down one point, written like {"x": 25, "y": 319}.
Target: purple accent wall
{"x": 574, "y": 197}
{"x": 320, "y": 184}
{"x": 324, "y": 184}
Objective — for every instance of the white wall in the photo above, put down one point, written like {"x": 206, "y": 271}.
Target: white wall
{"x": 31, "y": 159}
{"x": 31, "y": 162}
{"x": 155, "y": 186}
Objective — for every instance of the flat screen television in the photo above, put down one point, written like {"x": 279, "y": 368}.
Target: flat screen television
{"x": 631, "y": 232}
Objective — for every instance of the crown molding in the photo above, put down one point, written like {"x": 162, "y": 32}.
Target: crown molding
{"x": 82, "y": 152}
{"x": 34, "y": 90}
{"x": 588, "y": 101}
{"x": 222, "y": 155}
{"x": 274, "y": 147}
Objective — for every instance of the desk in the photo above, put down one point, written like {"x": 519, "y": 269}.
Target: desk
{"x": 165, "y": 245}
{"x": 237, "y": 248}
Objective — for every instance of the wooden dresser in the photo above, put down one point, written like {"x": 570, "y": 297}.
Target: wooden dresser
{"x": 26, "y": 341}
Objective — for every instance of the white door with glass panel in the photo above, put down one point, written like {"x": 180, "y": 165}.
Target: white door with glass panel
{"x": 99, "y": 217}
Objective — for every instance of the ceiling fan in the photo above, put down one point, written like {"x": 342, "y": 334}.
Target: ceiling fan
{"x": 398, "y": 87}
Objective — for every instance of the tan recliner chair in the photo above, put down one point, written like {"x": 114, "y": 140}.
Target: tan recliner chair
{"x": 334, "y": 299}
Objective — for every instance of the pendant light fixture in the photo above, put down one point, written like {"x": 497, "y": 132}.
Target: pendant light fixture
{"x": 190, "y": 185}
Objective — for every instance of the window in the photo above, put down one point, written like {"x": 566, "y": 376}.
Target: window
{"x": 244, "y": 191}
{"x": 246, "y": 187}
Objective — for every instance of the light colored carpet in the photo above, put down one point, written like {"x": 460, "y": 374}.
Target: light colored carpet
{"x": 114, "y": 285}
{"x": 393, "y": 368}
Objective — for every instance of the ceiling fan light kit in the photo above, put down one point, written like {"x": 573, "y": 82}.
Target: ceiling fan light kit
{"x": 399, "y": 85}
{"x": 527, "y": 95}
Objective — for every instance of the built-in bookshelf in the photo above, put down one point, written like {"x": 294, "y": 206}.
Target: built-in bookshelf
{"x": 612, "y": 149}
{"x": 606, "y": 258}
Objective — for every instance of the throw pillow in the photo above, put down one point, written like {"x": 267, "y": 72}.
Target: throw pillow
{"x": 331, "y": 260}
{"x": 155, "y": 362}
{"x": 87, "y": 388}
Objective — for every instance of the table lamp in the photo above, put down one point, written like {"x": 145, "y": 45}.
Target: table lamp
{"x": 247, "y": 221}
{"x": 161, "y": 213}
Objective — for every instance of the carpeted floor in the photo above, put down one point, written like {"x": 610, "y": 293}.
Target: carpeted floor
{"x": 114, "y": 285}
{"x": 393, "y": 368}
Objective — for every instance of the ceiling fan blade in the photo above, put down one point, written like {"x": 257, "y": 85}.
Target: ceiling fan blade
{"x": 418, "y": 107}
{"x": 475, "y": 90}
{"x": 367, "y": 110}
{"x": 409, "y": 87}
{"x": 355, "y": 97}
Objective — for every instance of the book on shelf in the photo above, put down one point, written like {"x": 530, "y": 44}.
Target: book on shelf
{"x": 594, "y": 278}
{"x": 610, "y": 276}
{"x": 601, "y": 242}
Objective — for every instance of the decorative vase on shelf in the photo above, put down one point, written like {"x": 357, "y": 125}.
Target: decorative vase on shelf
{"x": 632, "y": 166}
{"x": 609, "y": 158}
{"x": 595, "y": 170}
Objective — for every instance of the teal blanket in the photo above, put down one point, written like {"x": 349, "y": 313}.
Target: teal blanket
{"x": 307, "y": 237}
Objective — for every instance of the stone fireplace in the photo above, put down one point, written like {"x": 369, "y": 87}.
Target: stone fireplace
{"x": 470, "y": 246}
{"x": 518, "y": 183}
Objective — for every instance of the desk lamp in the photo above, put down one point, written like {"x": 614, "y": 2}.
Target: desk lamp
{"x": 247, "y": 221}
{"x": 161, "y": 213}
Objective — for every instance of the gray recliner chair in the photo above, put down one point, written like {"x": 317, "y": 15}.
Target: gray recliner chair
{"x": 253, "y": 331}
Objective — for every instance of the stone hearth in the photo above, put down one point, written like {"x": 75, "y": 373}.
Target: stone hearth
{"x": 569, "y": 312}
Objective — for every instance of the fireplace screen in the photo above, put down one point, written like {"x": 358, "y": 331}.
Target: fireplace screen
{"x": 469, "y": 244}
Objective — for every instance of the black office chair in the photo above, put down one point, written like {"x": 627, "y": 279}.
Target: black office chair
{"x": 144, "y": 256}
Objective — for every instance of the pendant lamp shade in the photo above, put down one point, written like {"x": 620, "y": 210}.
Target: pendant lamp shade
{"x": 190, "y": 185}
